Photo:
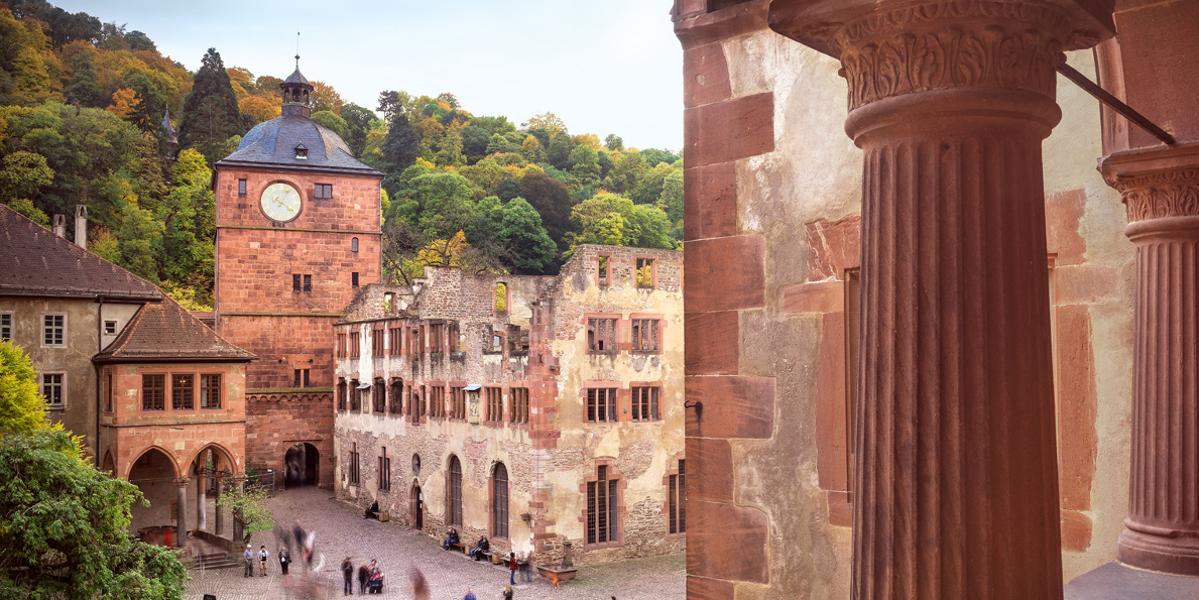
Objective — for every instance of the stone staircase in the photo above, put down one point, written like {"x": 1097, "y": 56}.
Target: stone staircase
{"x": 212, "y": 560}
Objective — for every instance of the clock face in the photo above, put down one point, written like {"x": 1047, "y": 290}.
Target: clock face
{"x": 280, "y": 202}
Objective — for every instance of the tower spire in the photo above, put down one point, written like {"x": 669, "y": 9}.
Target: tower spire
{"x": 297, "y": 51}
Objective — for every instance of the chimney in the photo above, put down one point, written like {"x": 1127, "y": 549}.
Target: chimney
{"x": 81, "y": 226}
{"x": 60, "y": 225}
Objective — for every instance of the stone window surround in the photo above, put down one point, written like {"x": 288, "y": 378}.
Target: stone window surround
{"x": 65, "y": 327}
{"x": 621, "y": 509}
{"x": 652, "y": 263}
{"x": 603, "y": 277}
{"x": 430, "y": 386}
{"x": 621, "y": 400}
{"x": 655, "y": 411}
{"x": 167, "y": 389}
{"x": 522, "y": 384}
{"x": 62, "y": 389}
{"x": 491, "y": 504}
{"x": 616, "y": 337}
{"x": 661, "y": 334}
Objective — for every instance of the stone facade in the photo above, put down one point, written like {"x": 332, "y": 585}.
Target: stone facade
{"x": 440, "y": 350}
{"x": 258, "y": 307}
{"x": 774, "y": 233}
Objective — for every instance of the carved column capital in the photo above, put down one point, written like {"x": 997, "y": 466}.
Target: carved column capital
{"x": 1155, "y": 183}
{"x": 892, "y": 48}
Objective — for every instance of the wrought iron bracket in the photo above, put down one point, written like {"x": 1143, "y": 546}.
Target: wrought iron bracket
{"x": 1105, "y": 97}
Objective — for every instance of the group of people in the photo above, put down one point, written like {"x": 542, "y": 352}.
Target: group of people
{"x": 370, "y": 578}
{"x": 263, "y": 555}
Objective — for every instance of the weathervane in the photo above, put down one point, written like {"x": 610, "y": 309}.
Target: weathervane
{"x": 297, "y": 50}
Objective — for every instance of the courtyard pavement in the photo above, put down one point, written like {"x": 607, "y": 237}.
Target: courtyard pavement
{"x": 341, "y": 531}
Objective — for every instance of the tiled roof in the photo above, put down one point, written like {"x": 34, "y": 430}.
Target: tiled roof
{"x": 166, "y": 331}
{"x": 274, "y": 143}
{"x": 35, "y": 262}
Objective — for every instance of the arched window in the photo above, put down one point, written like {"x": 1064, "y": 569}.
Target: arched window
{"x": 353, "y": 244}
{"x": 454, "y": 492}
{"x": 499, "y": 501}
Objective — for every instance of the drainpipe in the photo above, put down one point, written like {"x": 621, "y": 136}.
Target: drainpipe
{"x": 96, "y": 368}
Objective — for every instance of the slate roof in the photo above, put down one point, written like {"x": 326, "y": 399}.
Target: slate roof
{"x": 165, "y": 331}
{"x": 35, "y": 262}
{"x": 296, "y": 77}
{"x": 273, "y": 143}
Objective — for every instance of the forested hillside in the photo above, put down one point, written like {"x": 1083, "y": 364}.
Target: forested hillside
{"x": 89, "y": 113}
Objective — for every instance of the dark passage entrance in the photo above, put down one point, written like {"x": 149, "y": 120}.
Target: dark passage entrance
{"x": 418, "y": 513}
{"x": 301, "y": 466}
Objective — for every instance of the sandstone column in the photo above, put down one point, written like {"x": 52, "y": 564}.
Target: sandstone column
{"x": 1161, "y": 192}
{"x": 956, "y": 476}
{"x": 181, "y": 512}
{"x": 201, "y": 498}
{"x": 219, "y": 516}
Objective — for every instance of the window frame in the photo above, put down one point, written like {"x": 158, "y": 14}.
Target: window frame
{"x": 143, "y": 390}
{"x": 493, "y": 396}
{"x": 242, "y": 187}
{"x": 644, "y": 283}
{"x": 596, "y": 404}
{"x": 601, "y": 506}
{"x": 62, "y": 343}
{"x": 322, "y": 191}
{"x": 62, "y": 389}
{"x": 603, "y": 270}
{"x": 454, "y": 492}
{"x": 6, "y": 326}
{"x": 641, "y": 342}
{"x": 676, "y": 499}
{"x": 205, "y": 383}
{"x": 645, "y": 402}
{"x": 500, "y": 502}
{"x": 384, "y": 483}
{"x": 190, "y": 403}
{"x": 610, "y": 342}
{"x": 518, "y": 405}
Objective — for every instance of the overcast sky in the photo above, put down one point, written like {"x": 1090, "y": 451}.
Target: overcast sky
{"x": 612, "y": 66}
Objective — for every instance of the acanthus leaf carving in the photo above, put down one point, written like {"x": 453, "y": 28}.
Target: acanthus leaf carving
{"x": 1173, "y": 193}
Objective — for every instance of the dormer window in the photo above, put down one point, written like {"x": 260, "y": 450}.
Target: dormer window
{"x": 301, "y": 152}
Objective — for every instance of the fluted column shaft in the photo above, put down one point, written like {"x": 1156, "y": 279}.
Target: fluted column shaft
{"x": 956, "y": 470}
{"x": 1161, "y": 531}
{"x": 181, "y": 512}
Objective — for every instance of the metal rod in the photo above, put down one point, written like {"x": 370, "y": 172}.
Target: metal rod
{"x": 1103, "y": 96}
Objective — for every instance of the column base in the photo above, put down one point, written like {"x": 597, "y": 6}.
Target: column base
{"x": 1115, "y": 581}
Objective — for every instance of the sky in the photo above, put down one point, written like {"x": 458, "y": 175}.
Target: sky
{"x": 612, "y": 66}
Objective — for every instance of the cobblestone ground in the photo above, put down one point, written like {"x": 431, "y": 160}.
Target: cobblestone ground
{"x": 341, "y": 532}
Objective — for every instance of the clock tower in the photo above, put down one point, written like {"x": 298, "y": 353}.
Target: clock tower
{"x": 297, "y": 232}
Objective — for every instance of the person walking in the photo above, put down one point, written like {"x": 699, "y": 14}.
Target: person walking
{"x": 347, "y": 576}
{"x": 248, "y": 557}
{"x": 263, "y": 555}
{"x": 513, "y": 566}
{"x": 284, "y": 559}
{"x": 364, "y": 574}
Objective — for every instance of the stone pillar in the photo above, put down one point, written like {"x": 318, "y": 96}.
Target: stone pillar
{"x": 201, "y": 493}
{"x": 1161, "y": 192}
{"x": 181, "y": 512}
{"x": 219, "y": 516}
{"x": 956, "y": 477}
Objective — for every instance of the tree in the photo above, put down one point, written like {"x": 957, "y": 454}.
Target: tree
{"x": 614, "y": 142}
{"x": 402, "y": 144}
{"x": 83, "y": 88}
{"x": 324, "y": 97}
{"x": 22, "y": 408}
{"x": 249, "y": 505}
{"x": 359, "y": 122}
{"x": 64, "y": 525}
{"x": 210, "y": 113}
{"x": 552, "y": 200}
{"x": 528, "y": 249}
{"x": 639, "y": 225}
{"x": 258, "y": 108}
{"x": 446, "y": 203}
{"x": 23, "y": 174}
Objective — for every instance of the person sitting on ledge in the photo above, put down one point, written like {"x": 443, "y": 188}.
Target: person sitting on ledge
{"x": 480, "y": 549}
{"x": 451, "y": 539}
{"x": 373, "y": 511}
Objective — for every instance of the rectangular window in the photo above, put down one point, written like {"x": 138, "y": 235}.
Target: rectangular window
{"x": 519, "y": 412}
{"x": 645, "y": 403}
{"x": 241, "y": 188}
{"x": 645, "y": 335}
{"x": 601, "y": 405}
{"x": 301, "y": 378}
{"x": 455, "y": 335}
{"x": 354, "y": 349}
{"x": 379, "y": 397}
{"x": 601, "y": 336}
{"x": 54, "y": 330}
{"x": 110, "y": 328}
{"x": 518, "y": 341}
{"x": 296, "y": 284}
{"x": 396, "y": 335}
{"x": 183, "y": 391}
{"x": 602, "y": 508}
{"x": 308, "y": 283}
{"x": 676, "y": 496}
{"x": 341, "y": 394}
{"x": 354, "y": 465}
{"x": 154, "y": 392}
{"x": 210, "y": 390}
{"x": 495, "y": 405}
{"x": 501, "y": 297}
{"x": 323, "y": 191}
{"x": 645, "y": 272}
{"x": 384, "y": 472}
{"x": 437, "y": 401}
{"x": 602, "y": 270}
{"x": 355, "y": 396}
{"x": 377, "y": 345}
{"x": 354, "y": 279}
{"x": 494, "y": 342}
{"x": 436, "y": 337}
{"x": 54, "y": 389}
{"x": 458, "y": 403}
{"x": 340, "y": 350}
{"x": 396, "y": 396}
{"x": 5, "y": 327}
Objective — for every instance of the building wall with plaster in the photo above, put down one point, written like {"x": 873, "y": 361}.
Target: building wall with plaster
{"x": 467, "y": 333}
{"x": 773, "y": 189}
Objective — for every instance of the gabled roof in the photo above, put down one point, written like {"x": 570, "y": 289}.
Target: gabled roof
{"x": 165, "y": 331}
{"x": 35, "y": 262}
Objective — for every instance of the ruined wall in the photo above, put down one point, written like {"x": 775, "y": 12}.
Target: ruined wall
{"x": 773, "y": 189}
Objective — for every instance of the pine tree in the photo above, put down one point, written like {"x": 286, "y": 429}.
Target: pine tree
{"x": 402, "y": 144}
{"x": 210, "y": 114}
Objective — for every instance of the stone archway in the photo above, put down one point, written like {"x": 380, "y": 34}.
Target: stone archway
{"x": 211, "y": 469}
{"x": 418, "y": 508}
{"x": 301, "y": 465}
{"x": 155, "y": 473}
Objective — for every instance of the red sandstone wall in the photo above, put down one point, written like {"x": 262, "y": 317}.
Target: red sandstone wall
{"x": 275, "y": 422}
